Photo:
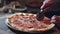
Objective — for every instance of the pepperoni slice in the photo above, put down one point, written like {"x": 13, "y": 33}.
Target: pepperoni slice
{"x": 47, "y": 21}
{"x": 43, "y": 26}
{"x": 25, "y": 17}
{"x": 18, "y": 23}
{"x": 35, "y": 25}
{"x": 27, "y": 26}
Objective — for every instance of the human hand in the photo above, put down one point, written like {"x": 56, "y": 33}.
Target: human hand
{"x": 56, "y": 19}
{"x": 47, "y": 4}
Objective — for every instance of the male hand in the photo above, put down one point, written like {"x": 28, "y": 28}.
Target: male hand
{"x": 56, "y": 19}
{"x": 47, "y": 4}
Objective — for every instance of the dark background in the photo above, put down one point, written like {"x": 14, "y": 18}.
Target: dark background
{"x": 54, "y": 10}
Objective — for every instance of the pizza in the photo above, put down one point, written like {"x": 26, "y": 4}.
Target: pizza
{"x": 27, "y": 22}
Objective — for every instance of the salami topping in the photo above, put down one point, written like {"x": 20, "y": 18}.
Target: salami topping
{"x": 29, "y": 21}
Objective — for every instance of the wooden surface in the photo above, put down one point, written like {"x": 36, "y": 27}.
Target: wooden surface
{"x": 5, "y": 30}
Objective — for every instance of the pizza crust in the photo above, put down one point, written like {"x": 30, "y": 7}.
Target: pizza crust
{"x": 33, "y": 29}
{"x": 28, "y": 29}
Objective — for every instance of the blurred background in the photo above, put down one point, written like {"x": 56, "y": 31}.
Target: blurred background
{"x": 4, "y": 4}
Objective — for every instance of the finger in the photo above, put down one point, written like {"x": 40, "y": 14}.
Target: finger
{"x": 46, "y": 9}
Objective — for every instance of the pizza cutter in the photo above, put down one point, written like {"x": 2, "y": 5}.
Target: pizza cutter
{"x": 40, "y": 14}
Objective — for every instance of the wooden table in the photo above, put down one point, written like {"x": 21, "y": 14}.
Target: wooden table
{"x": 6, "y": 30}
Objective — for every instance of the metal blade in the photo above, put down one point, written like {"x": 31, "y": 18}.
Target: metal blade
{"x": 40, "y": 14}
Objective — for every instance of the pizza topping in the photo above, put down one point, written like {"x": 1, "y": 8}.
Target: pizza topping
{"x": 47, "y": 21}
{"x": 29, "y": 21}
{"x": 35, "y": 26}
{"x": 43, "y": 25}
{"x": 29, "y": 26}
{"x": 21, "y": 24}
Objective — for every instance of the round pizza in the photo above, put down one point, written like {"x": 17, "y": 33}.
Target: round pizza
{"x": 27, "y": 22}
